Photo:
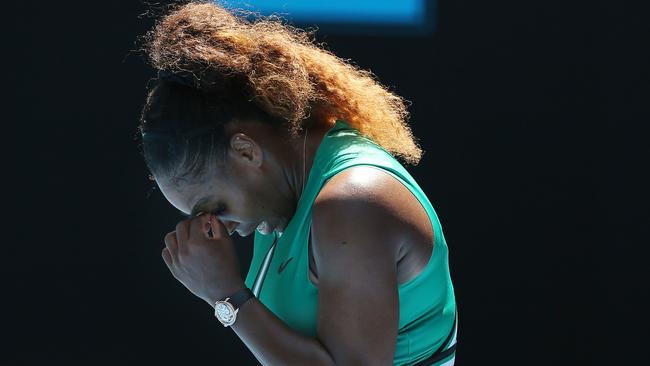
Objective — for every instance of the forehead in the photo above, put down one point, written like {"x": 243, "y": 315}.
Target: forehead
{"x": 191, "y": 197}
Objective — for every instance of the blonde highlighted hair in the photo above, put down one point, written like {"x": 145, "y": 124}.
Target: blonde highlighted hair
{"x": 287, "y": 74}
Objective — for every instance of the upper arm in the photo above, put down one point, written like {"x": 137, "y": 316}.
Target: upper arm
{"x": 355, "y": 245}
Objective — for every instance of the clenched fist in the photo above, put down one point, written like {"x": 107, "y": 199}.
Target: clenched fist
{"x": 207, "y": 265}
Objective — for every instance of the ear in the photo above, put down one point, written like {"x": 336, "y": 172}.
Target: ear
{"x": 245, "y": 149}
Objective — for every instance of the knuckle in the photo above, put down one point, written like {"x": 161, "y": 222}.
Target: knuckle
{"x": 181, "y": 225}
{"x": 170, "y": 238}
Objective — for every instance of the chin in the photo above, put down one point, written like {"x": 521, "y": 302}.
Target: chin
{"x": 277, "y": 226}
{"x": 281, "y": 226}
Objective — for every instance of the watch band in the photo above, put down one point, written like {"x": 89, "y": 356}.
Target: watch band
{"x": 226, "y": 310}
{"x": 240, "y": 297}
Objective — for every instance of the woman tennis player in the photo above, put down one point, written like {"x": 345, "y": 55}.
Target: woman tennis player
{"x": 251, "y": 127}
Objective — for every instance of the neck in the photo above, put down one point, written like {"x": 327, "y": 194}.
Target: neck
{"x": 301, "y": 163}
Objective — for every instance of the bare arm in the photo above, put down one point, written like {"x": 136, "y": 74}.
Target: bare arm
{"x": 358, "y": 300}
{"x": 273, "y": 342}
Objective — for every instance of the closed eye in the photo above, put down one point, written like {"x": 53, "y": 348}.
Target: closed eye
{"x": 196, "y": 212}
{"x": 219, "y": 211}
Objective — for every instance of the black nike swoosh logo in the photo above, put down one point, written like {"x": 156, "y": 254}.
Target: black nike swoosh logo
{"x": 284, "y": 265}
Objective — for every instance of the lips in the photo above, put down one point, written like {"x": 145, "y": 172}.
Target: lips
{"x": 248, "y": 231}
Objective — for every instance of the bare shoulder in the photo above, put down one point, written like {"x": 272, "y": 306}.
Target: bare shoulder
{"x": 355, "y": 233}
{"x": 368, "y": 181}
{"x": 366, "y": 186}
{"x": 362, "y": 199}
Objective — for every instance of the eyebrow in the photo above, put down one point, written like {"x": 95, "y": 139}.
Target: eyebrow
{"x": 196, "y": 210}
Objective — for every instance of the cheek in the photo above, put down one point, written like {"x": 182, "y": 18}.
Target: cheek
{"x": 243, "y": 203}
{"x": 257, "y": 203}
{"x": 254, "y": 198}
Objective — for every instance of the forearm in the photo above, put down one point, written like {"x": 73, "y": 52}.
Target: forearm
{"x": 273, "y": 342}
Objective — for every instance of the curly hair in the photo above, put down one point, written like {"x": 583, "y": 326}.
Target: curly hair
{"x": 284, "y": 73}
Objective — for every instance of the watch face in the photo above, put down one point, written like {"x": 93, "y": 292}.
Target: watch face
{"x": 224, "y": 311}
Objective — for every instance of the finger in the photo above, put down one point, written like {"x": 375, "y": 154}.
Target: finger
{"x": 171, "y": 243}
{"x": 199, "y": 226}
{"x": 219, "y": 230}
{"x": 183, "y": 231}
{"x": 167, "y": 258}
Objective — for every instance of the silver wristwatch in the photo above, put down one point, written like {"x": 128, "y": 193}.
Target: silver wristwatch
{"x": 226, "y": 310}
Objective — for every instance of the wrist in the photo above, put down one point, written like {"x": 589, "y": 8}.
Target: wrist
{"x": 223, "y": 293}
{"x": 226, "y": 310}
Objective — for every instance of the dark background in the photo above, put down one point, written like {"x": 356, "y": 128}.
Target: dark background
{"x": 534, "y": 118}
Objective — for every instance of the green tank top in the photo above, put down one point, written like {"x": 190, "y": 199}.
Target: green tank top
{"x": 426, "y": 303}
